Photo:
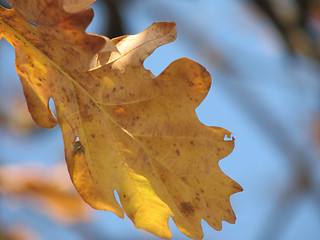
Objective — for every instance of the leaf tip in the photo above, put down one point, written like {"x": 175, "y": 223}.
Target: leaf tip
{"x": 72, "y": 6}
{"x": 168, "y": 28}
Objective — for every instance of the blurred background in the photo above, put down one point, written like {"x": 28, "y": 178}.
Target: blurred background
{"x": 264, "y": 58}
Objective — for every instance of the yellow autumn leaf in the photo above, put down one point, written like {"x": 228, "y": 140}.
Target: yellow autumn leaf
{"x": 124, "y": 129}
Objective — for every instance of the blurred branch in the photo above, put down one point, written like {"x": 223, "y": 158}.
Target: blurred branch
{"x": 115, "y": 27}
{"x": 296, "y": 31}
{"x": 265, "y": 6}
{"x": 304, "y": 6}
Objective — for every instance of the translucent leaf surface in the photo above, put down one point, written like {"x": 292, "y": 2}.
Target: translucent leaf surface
{"x": 124, "y": 129}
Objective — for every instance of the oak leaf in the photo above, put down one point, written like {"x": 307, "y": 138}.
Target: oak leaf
{"x": 124, "y": 129}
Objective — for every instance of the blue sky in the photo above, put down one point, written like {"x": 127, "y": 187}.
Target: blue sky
{"x": 254, "y": 61}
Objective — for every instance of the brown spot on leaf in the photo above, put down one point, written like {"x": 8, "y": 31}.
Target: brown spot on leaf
{"x": 87, "y": 113}
{"x": 190, "y": 83}
{"x": 186, "y": 208}
{"x": 178, "y": 152}
{"x": 69, "y": 99}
